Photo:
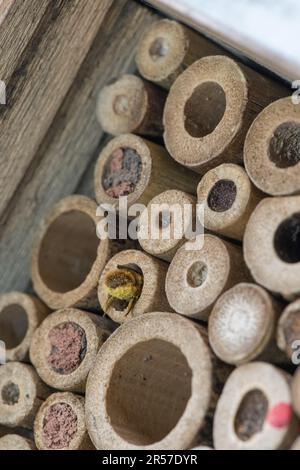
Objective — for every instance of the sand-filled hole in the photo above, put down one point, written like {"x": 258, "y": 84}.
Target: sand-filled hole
{"x": 284, "y": 147}
{"x": 287, "y": 239}
{"x": 122, "y": 172}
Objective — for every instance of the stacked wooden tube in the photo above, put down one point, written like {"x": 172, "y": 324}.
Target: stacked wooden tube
{"x": 167, "y": 341}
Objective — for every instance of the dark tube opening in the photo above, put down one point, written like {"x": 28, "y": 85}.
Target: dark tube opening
{"x": 251, "y": 415}
{"x": 10, "y": 394}
{"x": 287, "y": 239}
{"x": 284, "y": 147}
{"x": 204, "y": 109}
{"x": 222, "y": 196}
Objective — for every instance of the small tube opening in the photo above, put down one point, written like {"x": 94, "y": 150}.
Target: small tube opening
{"x": 68, "y": 347}
{"x": 204, "y": 109}
{"x": 284, "y": 147}
{"x": 121, "y": 105}
{"x": 148, "y": 392}
{"x": 222, "y": 195}
{"x": 197, "y": 274}
{"x": 59, "y": 426}
{"x": 10, "y": 394}
{"x": 251, "y": 415}
{"x": 164, "y": 219}
{"x": 287, "y": 239}
{"x": 68, "y": 251}
{"x": 159, "y": 49}
{"x": 13, "y": 325}
{"x": 122, "y": 172}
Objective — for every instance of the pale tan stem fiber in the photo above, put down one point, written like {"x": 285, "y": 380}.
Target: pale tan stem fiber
{"x": 288, "y": 331}
{"x": 202, "y": 448}
{"x": 271, "y": 245}
{"x": 131, "y": 104}
{"x": 16, "y": 442}
{"x": 152, "y": 294}
{"x": 68, "y": 257}
{"x": 198, "y": 276}
{"x": 271, "y": 151}
{"x": 165, "y": 221}
{"x": 20, "y": 315}
{"x": 60, "y": 424}
{"x": 21, "y": 394}
{"x": 168, "y": 48}
{"x": 296, "y": 445}
{"x": 254, "y": 411}
{"x": 64, "y": 347}
{"x": 228, "y": 198}
{"x": 210, "y": 108}
{"x": 296, "y": 391}
{"x": 242, "y": 325}
{"x": 152, "y": 385}
{"x": 157, "y": 172}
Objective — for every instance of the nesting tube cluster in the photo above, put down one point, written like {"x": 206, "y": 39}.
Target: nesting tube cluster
{"x": 186, "y": 336}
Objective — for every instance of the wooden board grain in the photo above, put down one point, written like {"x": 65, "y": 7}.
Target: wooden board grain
{"x": 46, "y": 71}
{"x": 63, "y": 162}
{"x": 5, "y": 6}
{"x": 18, "y": 26}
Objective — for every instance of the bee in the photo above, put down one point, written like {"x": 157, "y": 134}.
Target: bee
{"x": 125, "y": 284}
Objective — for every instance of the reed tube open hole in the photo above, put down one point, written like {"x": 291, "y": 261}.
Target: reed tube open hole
{"x": 68, "y": 251}
{"x": 251, "y": 415}
{"x": 13, "y": 325}
{"x": 59, "y": 426}
{"x": 122, "y": 172}
{"x": 10, "y": 393}
{"x": 121, "y": 105}
{"x": 68, "y": 347}
{"x": 287, "y": 239}
{"x": 197, "y": 274}
{"x": 159, "y": 49}
{"x": 284, "y": 147}
{"x": 164, "y": 219}
{"x": 148, "y": 392}
{"x": 204, "y": 110}
{"x": 222, "y": 195}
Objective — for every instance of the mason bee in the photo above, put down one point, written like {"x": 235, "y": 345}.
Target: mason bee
{"x": 125, "y": 284}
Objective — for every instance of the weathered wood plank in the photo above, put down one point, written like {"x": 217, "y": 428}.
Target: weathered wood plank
{"x": 73, "y": 141}
{"x": 5, "y": 6}
{"x": 19, "y": 24}
{"x": 47, "y": 73}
